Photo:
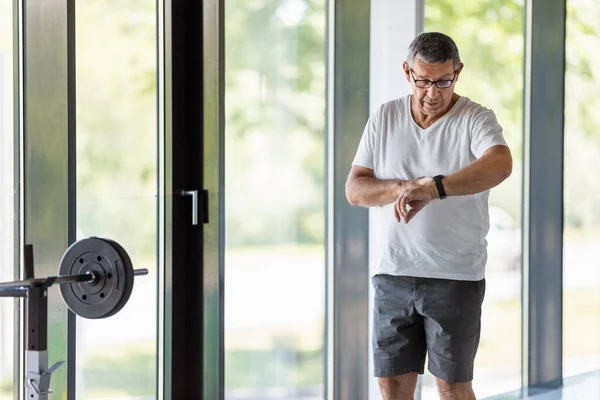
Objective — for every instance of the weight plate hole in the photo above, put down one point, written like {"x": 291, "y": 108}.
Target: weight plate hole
{"x": 102, "y": 295}
{"x": 99, "y": 258}
{"x": 84, "y": 297}
{"x": 109, "y": 276}
{"x": 81, "y": 261}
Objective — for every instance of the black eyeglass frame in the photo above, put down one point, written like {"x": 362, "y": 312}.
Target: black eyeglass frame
{"x": 429, "y": 83}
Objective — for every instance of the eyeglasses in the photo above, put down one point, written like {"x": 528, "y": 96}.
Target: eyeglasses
{"x": 426, "y": 83}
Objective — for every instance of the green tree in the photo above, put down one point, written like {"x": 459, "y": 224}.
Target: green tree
{"x": 490, "y": 38}
{"x": 582, "y": 122}
{"x": 275, "y": 121}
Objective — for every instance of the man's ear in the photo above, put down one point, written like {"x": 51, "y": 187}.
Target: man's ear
{"x": 406, "y": 70}
{"x": 460, "y": 67}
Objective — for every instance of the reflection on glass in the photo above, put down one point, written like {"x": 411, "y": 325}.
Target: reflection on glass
{"x": 490, "y": 37}
{"x": 7, "y": 244}
{"x": 116, "y": 187}
{"x": 581, "y": 247}
{"x": 274, "y": 204}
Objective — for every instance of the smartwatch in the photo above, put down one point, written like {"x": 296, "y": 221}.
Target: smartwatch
{"x": 440, "y": 186}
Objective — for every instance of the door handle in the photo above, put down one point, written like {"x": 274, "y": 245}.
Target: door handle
{"x": 196, "y": 199}
{"x": 194, "y": 194}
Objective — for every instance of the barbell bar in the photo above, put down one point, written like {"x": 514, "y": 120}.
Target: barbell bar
{"x": 95, "y": 278}
{"x": 59, "y": 280}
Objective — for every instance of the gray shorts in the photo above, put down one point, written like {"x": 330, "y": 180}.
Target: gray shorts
{"x": 413, "y": 317}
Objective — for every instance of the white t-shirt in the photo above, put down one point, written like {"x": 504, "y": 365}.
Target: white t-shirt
{"x": 447, "y": 238}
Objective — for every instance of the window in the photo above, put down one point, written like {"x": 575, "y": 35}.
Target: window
{"x": 7, "y": 196}
{"x": 581, "y": 246}
{"x": 117, "y": 186}
{"x": 275, "y": 199}
{"x": 490, "y": 37}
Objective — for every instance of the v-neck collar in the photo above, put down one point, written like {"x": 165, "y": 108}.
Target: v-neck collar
{"x": 451, "y": 110}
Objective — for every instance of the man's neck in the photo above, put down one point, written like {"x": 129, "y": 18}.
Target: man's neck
{"x": 425, "y": 120}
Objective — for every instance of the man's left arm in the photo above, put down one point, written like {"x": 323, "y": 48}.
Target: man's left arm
{"x": 488, "y": 171}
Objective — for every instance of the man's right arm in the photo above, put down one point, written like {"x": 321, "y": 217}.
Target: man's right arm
{"x": 363, "y": 189}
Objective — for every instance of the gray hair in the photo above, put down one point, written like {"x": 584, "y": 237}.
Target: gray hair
{"x": 433, "y": 47}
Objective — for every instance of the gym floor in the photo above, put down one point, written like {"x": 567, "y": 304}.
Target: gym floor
{"x": 583, "y": 387}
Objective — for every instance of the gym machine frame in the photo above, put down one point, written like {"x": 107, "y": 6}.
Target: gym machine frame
{"x": 115, "y": 279}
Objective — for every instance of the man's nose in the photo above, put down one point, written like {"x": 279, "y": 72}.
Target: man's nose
{"x": 432, "y": 91}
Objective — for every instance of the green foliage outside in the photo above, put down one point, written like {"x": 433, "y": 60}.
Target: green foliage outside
{"x": 279, "y": 367}
{"x": 582, "y": 121}
{"x": 490, "y": 38}
{"x": 117, "y": 122}
{"x": 129, "y": 369}
{"x": 275, "y": 122}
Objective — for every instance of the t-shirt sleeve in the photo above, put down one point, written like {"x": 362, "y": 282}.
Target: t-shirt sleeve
{"x": 486, "y": 133}
{"x": 366, "y": 148}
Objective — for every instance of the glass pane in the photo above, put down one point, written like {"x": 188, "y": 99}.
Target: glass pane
{"x": 275, "y": 198}
{"x": 116, "y": 187}
{"x": 581, "y": 251}
{"x": 490, "y": 37}
{"x": 7, "y": 193}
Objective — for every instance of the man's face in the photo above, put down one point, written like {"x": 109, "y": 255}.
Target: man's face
{"x": 432, "y": 101}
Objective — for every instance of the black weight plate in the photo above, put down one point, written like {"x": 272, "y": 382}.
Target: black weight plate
{"x": 109, "y": 293}
{"x": 129, "y": 276}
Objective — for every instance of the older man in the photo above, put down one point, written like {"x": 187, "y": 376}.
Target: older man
{"x": 426, "y": 163}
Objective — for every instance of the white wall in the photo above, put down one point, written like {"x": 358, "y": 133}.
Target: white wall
{"x": 394, "y": 24}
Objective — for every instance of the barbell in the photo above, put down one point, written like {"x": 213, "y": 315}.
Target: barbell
{"x": 95, "y": 278}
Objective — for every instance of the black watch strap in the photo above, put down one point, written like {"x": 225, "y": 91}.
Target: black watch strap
{"x": 440, "y": 186}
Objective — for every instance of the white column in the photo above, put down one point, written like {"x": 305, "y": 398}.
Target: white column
{"x": 394, "y": 24}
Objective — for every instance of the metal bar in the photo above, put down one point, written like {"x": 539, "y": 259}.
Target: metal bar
{"x": 18, "y": 94}
{"x": 13, "y": 292}
{"x": 28, "y": 261}
{"x": 543, "y": 192}
{"x": 166, "y": 210}
{"x": 36, "y": 341}
{"x": 45, "y": 162}
{"x": 184, "y": 169}
{"x": 58, "y": 280}
{"x": 37, "y": 319}
{"x": 71, "y": 366}
{"x": 348, "y": 229}
{"x": 214, "y": 161}
{"x": 36, "y": 363}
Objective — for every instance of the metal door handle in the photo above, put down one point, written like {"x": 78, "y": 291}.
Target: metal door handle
{"x": 194, "y": 194}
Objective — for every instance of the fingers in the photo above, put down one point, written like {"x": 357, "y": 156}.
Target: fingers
{"x": 404, "y": 204}
{"x": 407, "y": 212}
{"x": 400, "y": 211}
{"x": 396, "y": 213}
{"x": 411, "y": 201}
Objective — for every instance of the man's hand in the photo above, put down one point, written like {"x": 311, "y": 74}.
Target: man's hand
{"x": 416, "y": 194}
